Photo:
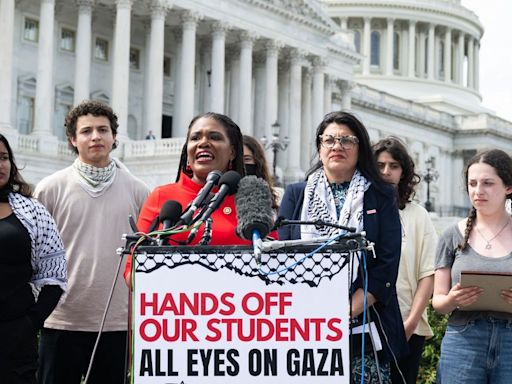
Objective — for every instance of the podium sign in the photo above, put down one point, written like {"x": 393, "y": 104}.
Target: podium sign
{"x": 211, "y": 315}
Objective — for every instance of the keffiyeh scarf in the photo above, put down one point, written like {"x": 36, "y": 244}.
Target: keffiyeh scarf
{"x": 95, "y": 181}
{"x": 319, "y": 204}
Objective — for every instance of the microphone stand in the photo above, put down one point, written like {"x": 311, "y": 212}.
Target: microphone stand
{"x": 317, "y": 223}
{"x": 207, "y": 234}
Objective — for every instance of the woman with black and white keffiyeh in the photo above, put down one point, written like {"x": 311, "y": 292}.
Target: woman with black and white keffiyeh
{"x": 33, "y": 273}
{"x": 344, "y": 187}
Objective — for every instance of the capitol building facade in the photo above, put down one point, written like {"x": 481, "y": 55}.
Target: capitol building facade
{"x": 406, "y": 68}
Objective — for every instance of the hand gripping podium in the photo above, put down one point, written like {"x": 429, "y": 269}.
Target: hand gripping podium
{"x": 211, "y": 314}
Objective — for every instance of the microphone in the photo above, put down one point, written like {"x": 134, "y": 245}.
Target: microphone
{"x": 254, "y": 212}
{"x": 169, "y": 215}
{"x": 228, "y": 186}
{"x": 211, "y": 180}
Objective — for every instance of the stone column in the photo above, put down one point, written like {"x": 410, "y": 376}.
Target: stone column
{"x": 366, "y": 46}
{"x": 83, "y": 51}
{"x": 234, "y": 84}
{"x": 306, "y": 125}
{"x": 389, "y": 46}
{"x": 178, "y": 38}
{"x": 343, "y": 23}
{"x": 318, "y": 90}
{"x": 294, "y": 120}
{"x": 6, "y": 59}
{"x": 154, "y": 100}
{"x": 245, "y": 102}
{"x": 272, "y": 48}
{"x": 460, "y": 58}
{"x": 421, "y": 51}
{"x": 431, "y": 51}
{"x": 328, "y": 84}
{"x": 187, "y": 81}
{"x": 346, "y": 97}
{"x": 218, "y": 66}
{"x": 412, "y": 49}
{"x": 477, "y": 65}
{"x": 121, "y": 65}
{"x": 44, "y": 89}
{"x": 471, "y": 62}
{"x": 448, "y": 55}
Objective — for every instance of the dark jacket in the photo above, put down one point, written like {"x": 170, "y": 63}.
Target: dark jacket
{"x": 381, "y": 222}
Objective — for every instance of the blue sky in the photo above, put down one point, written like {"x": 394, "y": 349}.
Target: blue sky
{"x": 495, "y": 54}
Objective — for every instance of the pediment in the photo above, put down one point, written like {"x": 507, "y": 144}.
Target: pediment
{"x": 309, "y": 12}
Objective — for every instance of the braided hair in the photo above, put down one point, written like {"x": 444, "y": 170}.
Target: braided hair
{"x": 502, "y": 164}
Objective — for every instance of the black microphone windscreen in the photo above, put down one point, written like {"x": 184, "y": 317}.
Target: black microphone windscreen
{"x": 230, "y": 179}
{"x": 253, "y": 207}
{"x": 170, "y": 211}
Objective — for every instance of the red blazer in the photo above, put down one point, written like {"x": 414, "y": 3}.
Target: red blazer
{"x": 184, "y": 191}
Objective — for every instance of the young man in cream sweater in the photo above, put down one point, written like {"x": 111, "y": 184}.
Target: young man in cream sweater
{"x": 90, "y": 201}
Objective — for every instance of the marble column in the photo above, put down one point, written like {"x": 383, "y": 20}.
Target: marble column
{"x": 234, "y": 84}
{"x": 460, "y": 59}
{"x": 245, "y": 101}
{"x": 412, "y": 49}
{"x": 154, "y": 100}
{"x": 306, "y": 124}
{"x": 43, "y": 115}
{"x": 218, "y": 66}
{"x": 328, "y": 84}
{"x": 6, "y": 60}
{"x": 389, "y": 46}
{"x": 318, "y": 90}
{"x": 294, "y": 119}
{"x": 271, "y": 96}
{"x": 366, "y": 46}
{"x": 178, "y": 38}
{"x": 346, "y": 97}
{"x": 187, "y": 81}
{"x": 343, "y": 23}
{"x": 477, "y": 65}
{"x": 448, "y": 55}
{"x": 471, "y": 63}
{"x": 83, "y": 51}
{"x": 121, "y": 65}
{"x": 431, "y": 51}
{"x": 421, "y": 51}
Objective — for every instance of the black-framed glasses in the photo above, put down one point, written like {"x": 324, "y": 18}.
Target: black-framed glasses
{"x": 346, "y": 142}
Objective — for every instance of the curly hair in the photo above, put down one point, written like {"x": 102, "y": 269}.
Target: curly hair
{"x": 15, "y": 183}
{"x": 262, "y": 170}
{"x": 235, "y": 138}
{"x": 502, "y": 164}
{"x": 86, "y": 107}
{"x": 409, "y": 179}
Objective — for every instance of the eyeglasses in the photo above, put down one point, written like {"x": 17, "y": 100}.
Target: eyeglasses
{"x": 346, "y": 142}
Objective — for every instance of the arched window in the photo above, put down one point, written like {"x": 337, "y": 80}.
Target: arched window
{"x": 375, "y": 49}
{"x": 357, "y": 40}
{"x": 396, "y": 51}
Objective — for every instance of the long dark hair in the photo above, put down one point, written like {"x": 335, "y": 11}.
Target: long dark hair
{"x": 235, "y": 138}
{"x": 15, "y": 183}
{"x": 407, "y": 184}
{"x": 365, "y": 160}
{"x": 502, "y": 164}
{"x": 260, "y": 161}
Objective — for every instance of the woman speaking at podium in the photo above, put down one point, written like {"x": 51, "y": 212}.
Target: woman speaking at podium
{"x": 214, "y": 143}
{"x": 344, "y": 187}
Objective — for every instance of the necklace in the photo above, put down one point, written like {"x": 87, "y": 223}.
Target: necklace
{"x": 489, "y": 246}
